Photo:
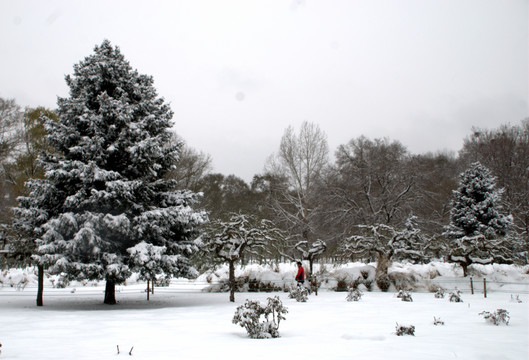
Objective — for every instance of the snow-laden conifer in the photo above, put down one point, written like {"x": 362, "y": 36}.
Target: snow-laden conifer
{"x": 477, "y": 230}
{"x": 104, "y": 190}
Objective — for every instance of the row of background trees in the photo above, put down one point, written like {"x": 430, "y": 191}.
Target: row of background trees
{"x": 373, "y": 201}
{"x": 310, "y": 197}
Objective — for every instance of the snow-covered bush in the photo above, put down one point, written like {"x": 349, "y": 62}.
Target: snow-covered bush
{"x": 383, "y": 282}
{"x": 438, "y": 321}
{"x": 249, "y": 315}
{"x": 354, "y": 295}
{"x": 266, "y": 281}
{"x": 342, "y": 284}
{"x": 402, "y": 280}
{"x": 18, "y": 278}
{"x": 439, "y": 294}
{"x": 516, "y": 299}
{"x": 405, "y": 330}
{"x": 224, "y": 285}
{"x": 404, "y": 296}
{"x": 59, "y": 281}
{"x": 455, "y": 296}
{"x": 501, "y": 316}
{"x": 300, "y": 293}
{"x": 350, "y": 278}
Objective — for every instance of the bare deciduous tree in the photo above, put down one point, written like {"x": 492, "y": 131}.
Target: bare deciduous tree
{"x": 191, "y": 167}
{"x": 299, "y": 163}
{"x": 370, "y": 184}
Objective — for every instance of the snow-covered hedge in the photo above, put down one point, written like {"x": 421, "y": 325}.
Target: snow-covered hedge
{"x": 343, "y": 277}
{"x": 432, "y": 277}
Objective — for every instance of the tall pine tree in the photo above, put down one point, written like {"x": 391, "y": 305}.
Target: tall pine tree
{"x": 477, "y": 228}
{"x": 104, "y": 191}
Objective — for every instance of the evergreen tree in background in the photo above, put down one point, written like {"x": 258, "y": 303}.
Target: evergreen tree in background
{"x": 104, "y": 190}
{"x": 477, "y": 228}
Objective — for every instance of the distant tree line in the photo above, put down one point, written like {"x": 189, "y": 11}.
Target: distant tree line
{"x": 371, "y": 182}
{"x": 376, "y": 183}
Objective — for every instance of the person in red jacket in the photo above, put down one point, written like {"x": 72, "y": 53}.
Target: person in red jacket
{"x": 300, "y": 277}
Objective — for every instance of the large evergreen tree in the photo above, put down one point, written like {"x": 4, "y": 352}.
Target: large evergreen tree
{"x": 104, "y": 190}
{"x": 477, "y": 228}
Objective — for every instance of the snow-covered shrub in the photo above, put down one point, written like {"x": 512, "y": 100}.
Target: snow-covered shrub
{"x": 354, "y": 295}
{"x": 438, "y": 321}
{"x": 404, "y": 296}
{"x": 455, "y": 296}
{"x": 249, "y": 315}
{"x": 439, "y": 294}
{"x": 516, "y": 299}
{"x": 18, "y": 278}
{"x": 267, "y": 280}
{"x": 300, "y": 293}
{"x": 342, "y": 284}
{"x": 223, "y": 285}
{"x": 433, "y": 273}
{"x": 351, "y": 278}
{"x": 253, "y": 285}
{"x": 402, "y": 280}
{"x": 59, "y": 281}
{"x": 501, "y": 316}
{"x": 405, "y": 330}
{"x": 383, "y": 283}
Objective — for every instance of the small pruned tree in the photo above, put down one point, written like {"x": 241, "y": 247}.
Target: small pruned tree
{"x": 228, "y": 241}
{"x": 386, "y": 242}
{"x": 477, "y": 230}
{"x": 152, "y": 262}
{"x": 311, "y": 251}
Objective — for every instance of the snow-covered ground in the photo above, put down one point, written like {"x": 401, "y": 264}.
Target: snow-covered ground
{"x": 182, "y": 322}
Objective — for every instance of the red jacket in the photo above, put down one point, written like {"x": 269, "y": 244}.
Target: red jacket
{"x": 301, "y": 274}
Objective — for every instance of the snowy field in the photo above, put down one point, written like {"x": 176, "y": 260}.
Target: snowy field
{"x": 180, "y": 322}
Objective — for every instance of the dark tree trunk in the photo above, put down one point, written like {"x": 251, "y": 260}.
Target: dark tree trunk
{"x": 465, "y": 269}
{"x": 381, "y": 272}
{"x": 232, "y": 281}
{"x": 464, "y": 264}
{"x": 110, "y": 292}
{"x": 40, "y": 269}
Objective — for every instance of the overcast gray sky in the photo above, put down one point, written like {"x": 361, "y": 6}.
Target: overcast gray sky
{"x": 237, "y": 73}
